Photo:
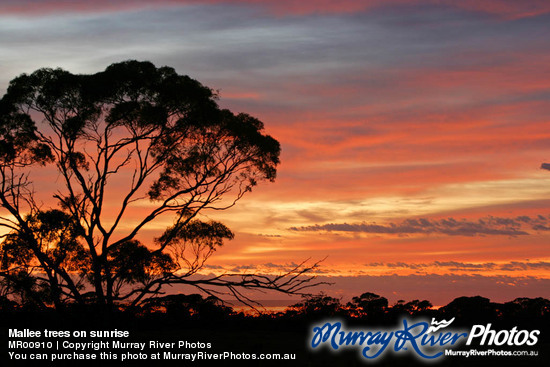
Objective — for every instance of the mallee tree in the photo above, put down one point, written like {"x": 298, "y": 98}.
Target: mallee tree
{"x": 162, "y": 144}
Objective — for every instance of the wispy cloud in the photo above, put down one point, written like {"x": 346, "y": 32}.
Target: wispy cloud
{"x": 487, "y": 226}
{"x": 464, "y": 266}
{"x": 265, "y": 268}
{"x": 509, "y": 9}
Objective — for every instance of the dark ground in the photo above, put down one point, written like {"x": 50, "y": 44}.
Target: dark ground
{"x": 235, "y": 334}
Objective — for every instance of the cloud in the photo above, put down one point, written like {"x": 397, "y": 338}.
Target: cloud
{"x": 487, "y": 226}
{"x": 464, "y": 266}
{"x": 272, "y": 268}
{"x": 455, "y": 265}
{"x": 508, "y": 9}
{"x": 212, "y": 267}
{"x": 518, "y": 265}
{"x": 245, "y": 268}
{"x": 545, "y": 166}
{"x": 288, "y": 266}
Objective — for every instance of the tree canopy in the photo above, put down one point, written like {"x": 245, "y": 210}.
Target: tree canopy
{"x": 156, "y": 138}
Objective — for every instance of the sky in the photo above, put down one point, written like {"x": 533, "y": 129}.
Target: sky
{"x": 412, "y": 132}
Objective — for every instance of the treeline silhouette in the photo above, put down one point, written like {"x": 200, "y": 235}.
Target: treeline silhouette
{"x": 368, "y": 307}
{"x": 194, "y": 318}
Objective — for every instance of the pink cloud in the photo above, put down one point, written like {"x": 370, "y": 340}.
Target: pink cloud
{"x": 508, "y": 9}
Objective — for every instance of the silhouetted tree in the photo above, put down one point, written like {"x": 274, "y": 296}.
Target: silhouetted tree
{"x": 412, "y": 307}
{"x": 186, "y": 306}
{"x": 317, "y": 305}
{"x": 470, "y": 309}
{"x": 527, "y": 308}
{"x": 157, "y": 139}
{"x": 367, "y": 305}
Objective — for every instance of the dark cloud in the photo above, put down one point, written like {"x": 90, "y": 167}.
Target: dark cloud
{"x": 213, "y": 267}
{"x": 545, "y": 166}
{"x": 517, "y": 265}
{"x": 240, "y": 268}
{"x": 487, "y": 226}
{"x": 281, "y": 266}
{"x": 455, "y": 265}
{"x": 403, "y": 265}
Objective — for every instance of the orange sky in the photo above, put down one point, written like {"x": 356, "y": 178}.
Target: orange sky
{"x": 388, "y": 112}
